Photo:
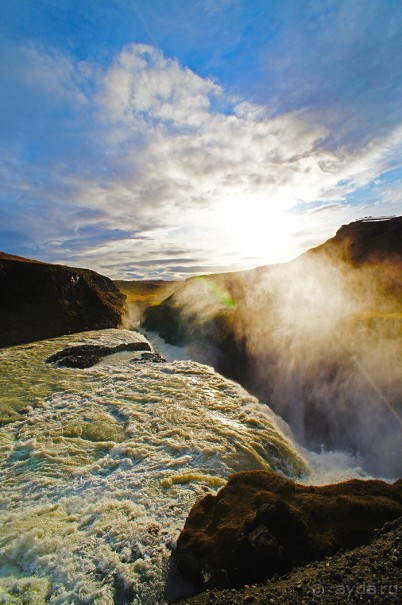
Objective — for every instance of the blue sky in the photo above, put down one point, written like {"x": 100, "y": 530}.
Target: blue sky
{"x": 165, "y": 138}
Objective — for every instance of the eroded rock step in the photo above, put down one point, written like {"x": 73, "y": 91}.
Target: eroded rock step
{"x": 86, "y": 356}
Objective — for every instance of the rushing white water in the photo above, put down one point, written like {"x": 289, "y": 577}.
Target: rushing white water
{"x": 168, "y": 351}
{"x": 100, "y": 467}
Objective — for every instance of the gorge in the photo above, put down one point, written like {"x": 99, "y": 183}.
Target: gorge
{"x": 319, "y": 338}
{"x": 106, "y": 448}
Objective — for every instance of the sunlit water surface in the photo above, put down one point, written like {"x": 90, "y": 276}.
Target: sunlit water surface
{"x": 99, "y": 467}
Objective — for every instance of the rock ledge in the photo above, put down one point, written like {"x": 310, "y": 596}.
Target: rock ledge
{"x": 261, "y": 524}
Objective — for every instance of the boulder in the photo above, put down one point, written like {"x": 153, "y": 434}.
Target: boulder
{"x": 149, "y": 358}
{"x": 261, "y": 524}
{"x": 369, "y": 574}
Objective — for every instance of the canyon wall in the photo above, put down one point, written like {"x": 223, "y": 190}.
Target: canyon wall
{"x": 40, "y": 300}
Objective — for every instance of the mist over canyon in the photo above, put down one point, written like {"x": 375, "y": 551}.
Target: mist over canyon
{"x": 319, "y": 339}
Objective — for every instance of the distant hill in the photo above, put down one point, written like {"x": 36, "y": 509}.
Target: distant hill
{"x": 143, "y": 294}
{"x": 40, "y": 300}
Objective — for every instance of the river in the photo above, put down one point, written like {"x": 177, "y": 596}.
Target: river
{"x": 100, "y": 466}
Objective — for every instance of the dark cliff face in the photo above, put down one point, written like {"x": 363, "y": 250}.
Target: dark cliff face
{"x": 365, "y": 241}
{"x": 39, "y": 300}
{"x": 318, "y": 338}
{"x": 350, "y": 576}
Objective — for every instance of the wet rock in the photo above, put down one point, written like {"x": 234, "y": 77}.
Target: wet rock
{"x": 149, "y": 357}
{"x": 165, "y": 319}
{"x": 86, "y": 356}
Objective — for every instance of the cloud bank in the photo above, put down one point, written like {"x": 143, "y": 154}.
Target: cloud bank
{"x": 145, "y": 169}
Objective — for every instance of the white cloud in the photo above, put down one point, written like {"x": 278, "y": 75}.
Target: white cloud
{"x": 148, "y": 162}
{"x": 143, "y": 81}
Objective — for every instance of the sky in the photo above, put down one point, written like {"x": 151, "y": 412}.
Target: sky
{"x": 161, "y": 139}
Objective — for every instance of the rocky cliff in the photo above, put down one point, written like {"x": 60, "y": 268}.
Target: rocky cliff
{"x": 365, "y": 241}
{"x": 40, "y": 300}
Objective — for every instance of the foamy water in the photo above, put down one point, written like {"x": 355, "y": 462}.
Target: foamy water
{"x": 100, "y": 467}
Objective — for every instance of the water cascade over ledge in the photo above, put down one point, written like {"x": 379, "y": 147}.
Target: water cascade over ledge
{"x": 100, "y": 466}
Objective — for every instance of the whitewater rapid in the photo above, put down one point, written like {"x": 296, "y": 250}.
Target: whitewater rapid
{"x": 99, "y": 467}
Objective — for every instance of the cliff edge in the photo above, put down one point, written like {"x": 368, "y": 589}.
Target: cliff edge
{"x": 39, "y": 300}
{"x": 365, "y": 241}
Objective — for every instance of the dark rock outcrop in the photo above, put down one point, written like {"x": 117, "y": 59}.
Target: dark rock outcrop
{"x": 40, "y": 300}
{"x": 261, "y": 524}
{"x": 166, "y": 319}
{"x": 371, "y": 573}
{"x": 150, "y": 358}
{"x": 365, "y": 241}
{"x": 86, "y": 356}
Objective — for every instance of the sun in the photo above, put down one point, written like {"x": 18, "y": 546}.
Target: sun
{"x": 259, "y": 228}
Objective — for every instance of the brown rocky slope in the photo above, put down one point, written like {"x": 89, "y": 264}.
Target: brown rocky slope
{"x": 261, "y": 524}
{"x": 366, "y": 574}
{"x": 39, "y": 300}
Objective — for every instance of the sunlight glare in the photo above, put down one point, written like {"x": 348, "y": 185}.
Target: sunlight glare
{"x": 258, "y": 227}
